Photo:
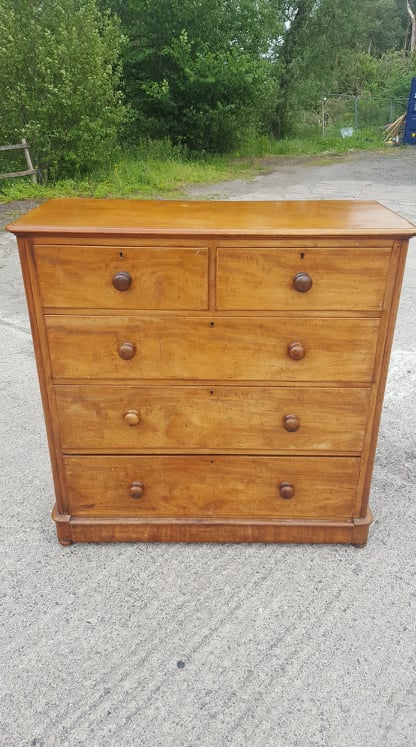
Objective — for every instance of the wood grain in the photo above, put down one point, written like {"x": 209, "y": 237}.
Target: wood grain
{"x": 322, "y": 218}
{"x": 210, "y": 418}
{"x": 127, "y": 529}
{"x": 212, "y": 486}
{"x": 213, "y": 348}
{"x": 162, "y": 278}
{"x": 264, "y": 279}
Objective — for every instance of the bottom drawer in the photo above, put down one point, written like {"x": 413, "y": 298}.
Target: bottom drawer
{"x": 213, "y": 486}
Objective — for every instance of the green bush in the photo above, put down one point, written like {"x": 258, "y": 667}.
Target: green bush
{"x": 59, "y": 80}
{"x": 199, "y": 72}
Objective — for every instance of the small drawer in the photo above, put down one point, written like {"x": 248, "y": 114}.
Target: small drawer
{"x": 213, "y": 486}
{"x": 123, "y": 277}
{"x": 302, "y": 279}
{"x": 213, "y": 348}
{"x": 211, "y": 418}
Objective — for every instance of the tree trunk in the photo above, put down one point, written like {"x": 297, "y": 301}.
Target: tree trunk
{"x": 412, "y": 15}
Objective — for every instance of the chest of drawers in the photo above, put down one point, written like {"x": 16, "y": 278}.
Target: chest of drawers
{"x": 212, "y": 372}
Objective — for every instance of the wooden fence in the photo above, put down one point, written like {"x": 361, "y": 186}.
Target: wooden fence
{"x": 30, "y": 171}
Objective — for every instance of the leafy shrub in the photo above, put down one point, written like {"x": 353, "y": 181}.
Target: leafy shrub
{"x": 59, "y": 77}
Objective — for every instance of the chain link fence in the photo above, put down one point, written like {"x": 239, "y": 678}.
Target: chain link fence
{"x": 342, "y": 114}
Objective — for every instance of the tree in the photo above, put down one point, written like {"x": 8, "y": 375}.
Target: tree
{"x": 59, "y": 77}
{"x": 412, "y": 16}
{"x": 200, "y": 72}
{"x": 331, "y": 46}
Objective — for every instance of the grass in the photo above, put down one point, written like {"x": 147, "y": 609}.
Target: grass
{"x": 306, "y": 145}
{"x": 133, "y": 177}
{"x": 160, "y": 169}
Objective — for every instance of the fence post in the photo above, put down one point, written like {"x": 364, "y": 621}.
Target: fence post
{"x": 356, "y": 112}
{"x": 323, "y": 116}
{"x": 29, "y": 160}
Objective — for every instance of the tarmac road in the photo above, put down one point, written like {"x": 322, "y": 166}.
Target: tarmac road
{"x": 388, "y": 176}
{"x": 212, "y": 645}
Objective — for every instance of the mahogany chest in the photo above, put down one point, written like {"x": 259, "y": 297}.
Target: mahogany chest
{"x": 212, "y": 371}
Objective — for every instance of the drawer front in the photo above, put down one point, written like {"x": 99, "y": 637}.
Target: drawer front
{"x": 133, "y": 419}
{"x": 339, "y": 279}
{"x": 123, "y": 278}
{"x": 234, "y": 348}
{"x": 202, "y": 486}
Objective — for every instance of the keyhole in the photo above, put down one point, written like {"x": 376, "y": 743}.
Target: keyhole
{"x": 302, "y": 255}
{"x": 121, "y": 255}
{"x": 212, "y": 324}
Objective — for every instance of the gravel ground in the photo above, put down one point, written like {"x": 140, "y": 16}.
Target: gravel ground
{"x": 11, "y": 210}
{"x": 388, "y": 176}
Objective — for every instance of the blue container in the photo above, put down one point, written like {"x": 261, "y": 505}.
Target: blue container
{"x": 410, "y": 130}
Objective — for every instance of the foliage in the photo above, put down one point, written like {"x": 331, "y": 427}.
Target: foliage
{"x": 151, "y": 169}
{"x": 341, "y": 48}
{"x": 395, "y": 70}
{"x": 201, "y": 72}
{"x": 59, "y": 77}
{"x": 209, "y": 76}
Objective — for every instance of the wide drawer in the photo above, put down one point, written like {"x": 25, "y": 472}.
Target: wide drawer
{"x": 221, "y": 348}
{"x": 146, "y": 418}
{"x": 217, "y": 486}
{"x": 266, "y": 279}
{"x": 148, "y": 278}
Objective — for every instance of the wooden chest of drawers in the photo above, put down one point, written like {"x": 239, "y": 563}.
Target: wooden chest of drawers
{"x": 212, "y": 371}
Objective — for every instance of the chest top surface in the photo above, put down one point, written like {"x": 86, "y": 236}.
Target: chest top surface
{"x": 326, "y": 218}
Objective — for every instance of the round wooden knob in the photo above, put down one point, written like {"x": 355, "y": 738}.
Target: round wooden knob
{"x": 291, "y": 423}
{"x": 136, "y": 489}
{"x": 122, "y": 280}
{"x": 302, "y": 282}
{"x": 286, "y": 490}
{"x": 127, "y": 351}
{"x": 296, "y": 351}
{"x": 132, "y": 417}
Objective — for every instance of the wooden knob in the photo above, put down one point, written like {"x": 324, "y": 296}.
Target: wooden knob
{"x": 291, "y": 423}
{"x": 122, "y": 280}
{"x": 286, "y": 490}
{"x": 136, "y": 489}
{"x": 132, "y": 417}
{"x": 127, "y": 351}
{"x": 296, "y": 351}
{"x": 302, "y": 282}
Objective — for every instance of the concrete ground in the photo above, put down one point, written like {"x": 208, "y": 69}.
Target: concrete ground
{"x": 212, "y": 645}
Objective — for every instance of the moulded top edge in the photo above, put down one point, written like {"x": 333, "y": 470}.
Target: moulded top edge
{"x": 273, "y": 219}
